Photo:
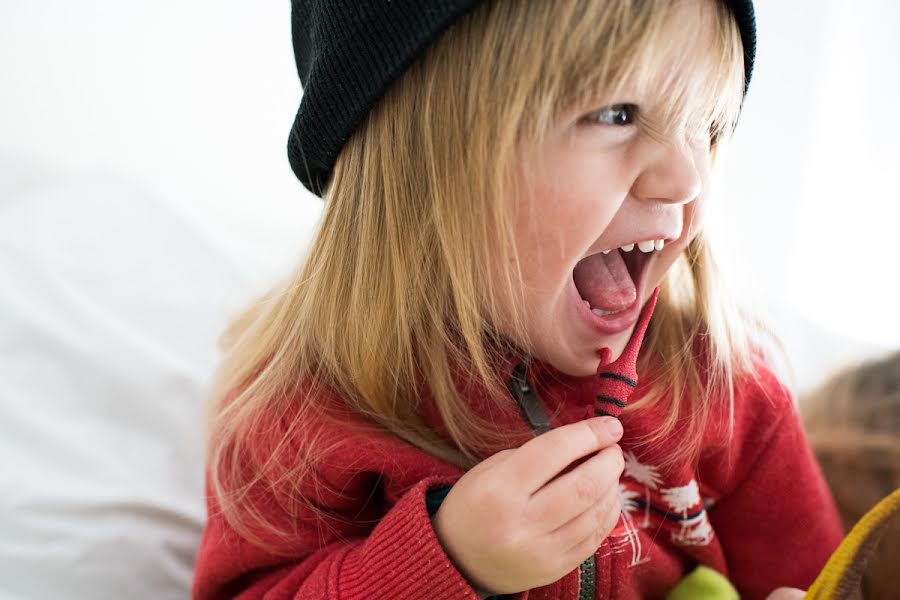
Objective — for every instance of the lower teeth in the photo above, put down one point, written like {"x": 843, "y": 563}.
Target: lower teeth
{"x": 599, "y": 311}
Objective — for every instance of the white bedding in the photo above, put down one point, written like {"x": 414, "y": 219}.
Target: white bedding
{"x": 110, "y": 305}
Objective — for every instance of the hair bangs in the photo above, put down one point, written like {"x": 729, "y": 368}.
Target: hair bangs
{"x": 622, "y": 50}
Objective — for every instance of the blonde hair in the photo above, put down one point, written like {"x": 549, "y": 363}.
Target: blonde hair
{"x": 395, "y": 296}
{"x": 853, "y": 423}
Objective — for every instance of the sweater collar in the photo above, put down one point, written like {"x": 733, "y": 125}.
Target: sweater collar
{"x": 605, "y": 393}
{"x": 571, "y": 398}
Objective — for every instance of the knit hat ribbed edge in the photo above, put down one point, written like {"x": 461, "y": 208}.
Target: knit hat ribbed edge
{"x": 349, "y": 53}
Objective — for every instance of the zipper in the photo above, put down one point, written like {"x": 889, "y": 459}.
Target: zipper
{"x": 528, "y": 401}
{"x": 537, "y": 418}
{"x": 587, "y": 578}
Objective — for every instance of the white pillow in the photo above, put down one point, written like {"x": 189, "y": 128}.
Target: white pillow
{"x": 110, "y": 305}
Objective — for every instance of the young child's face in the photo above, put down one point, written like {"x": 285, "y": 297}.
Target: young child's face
{"x": 603, "y": 181}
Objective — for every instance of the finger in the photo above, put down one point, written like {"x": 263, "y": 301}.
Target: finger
{"x": 581, "y": 536}
{"x": 787, "y": 594}
{"x": 578, "y": 490}
{"x": 539, "y": 460}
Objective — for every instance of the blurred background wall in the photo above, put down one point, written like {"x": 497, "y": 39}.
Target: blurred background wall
{"x": 193, "y": 100}
{"x": 145, "y": 196}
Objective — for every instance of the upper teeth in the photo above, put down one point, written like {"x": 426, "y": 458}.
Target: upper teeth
{"x": 645, "y": 246}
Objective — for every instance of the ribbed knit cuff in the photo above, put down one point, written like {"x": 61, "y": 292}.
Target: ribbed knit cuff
{"x": 402, "y": 558}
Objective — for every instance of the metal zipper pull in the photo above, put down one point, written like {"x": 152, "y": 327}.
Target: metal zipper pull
{"x": 527, "y": 400}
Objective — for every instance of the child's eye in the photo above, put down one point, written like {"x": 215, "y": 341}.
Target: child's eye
{"x": 614, "y": 114}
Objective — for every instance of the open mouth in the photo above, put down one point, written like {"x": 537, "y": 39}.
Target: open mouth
{"x": 609, "y": 282}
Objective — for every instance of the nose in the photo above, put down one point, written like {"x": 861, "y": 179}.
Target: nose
{"x": 670, "y": 174}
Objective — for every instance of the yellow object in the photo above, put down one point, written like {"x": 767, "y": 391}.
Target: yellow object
{"x": 703, "y": 583}
{"x": 840, "y": 578}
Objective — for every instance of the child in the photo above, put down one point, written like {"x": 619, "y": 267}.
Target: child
{"x": 443, "y": 402}
{"x": 853, "y": 420}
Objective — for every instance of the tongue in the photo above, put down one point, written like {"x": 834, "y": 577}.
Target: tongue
{"x": 604, "y": 281}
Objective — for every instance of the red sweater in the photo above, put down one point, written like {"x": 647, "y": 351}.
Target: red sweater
{"x": 755, "y": 509}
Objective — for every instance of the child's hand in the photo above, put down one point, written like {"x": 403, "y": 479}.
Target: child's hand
{"x": 508, "y": 527}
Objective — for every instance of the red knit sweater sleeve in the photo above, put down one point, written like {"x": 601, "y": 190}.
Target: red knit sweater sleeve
{"x": 778, "y": 525}
{"x": 400, "y": 559}
{"x": 353, "y": 525}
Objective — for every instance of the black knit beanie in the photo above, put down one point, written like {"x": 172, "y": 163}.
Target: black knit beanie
{"x": 349, "y": 52}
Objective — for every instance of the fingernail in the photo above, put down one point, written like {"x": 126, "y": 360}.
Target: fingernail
{"x": 614, "y": 427}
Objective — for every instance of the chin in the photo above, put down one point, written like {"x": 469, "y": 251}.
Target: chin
{"x": 585, "y": 364}
{"x": 617, "y": 345}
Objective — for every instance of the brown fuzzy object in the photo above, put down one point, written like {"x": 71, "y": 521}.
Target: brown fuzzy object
{"x": 853, "y": 422}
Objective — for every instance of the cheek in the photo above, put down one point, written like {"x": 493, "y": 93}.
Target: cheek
{"x": 569, "y": 210}
{"x": 693, "y": 217}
